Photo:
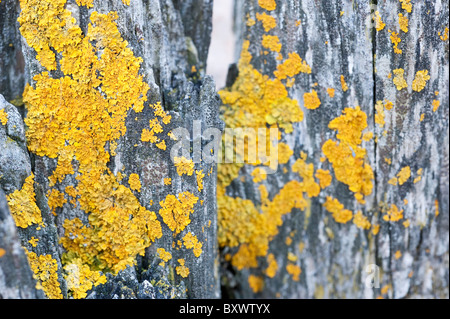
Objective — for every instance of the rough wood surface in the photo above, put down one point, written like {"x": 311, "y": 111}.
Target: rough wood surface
{"x": 339, "y": 38}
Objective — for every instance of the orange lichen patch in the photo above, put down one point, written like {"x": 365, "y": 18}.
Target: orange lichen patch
{"x": 406, "y": 223}
{"x": 294, "y": 271}
{"x": 271, "y": 42}
{"x": 134, "y": 181}
{"x": 292, "y": 257}
{"x": 398, "y": 254}
{"x": 55, "y": 199}
{"x": 344, "y": 85}
{"x": 199, "y": 175}
{"x": 399, "y": 79}
{"x": 367, "y": 136}
{"x": 2, "y": 252}
{"x": 393, "y": 214}
{"x": 422, "y": 117}
{"x": 77, "y": 116}
{"x": 375, "y": 229}
{"x": 182, "y": 270}
{"x": 395, "y": 41}
{"x": 175, "y": 212}
{"x": 250, "y": 22}
{"x": 337, "y": 210}
{"x": 33, "y": 241}
{"x": 45, "y": 270}
{"x": 388, "y": 105}
{"x": 290, "y": 82}
{"x": 167, "y": 181}
{"x": 444, "y": 37}
{"x": 284, "y": 153}
{"x": 268, "y": 21}
{"x": 191, "y": 241}
{"x": 306, "y": 171}
{"x": 256, "y": 283}
{"x": 331, "y": 92}
{"x": 379, "y": 116}
{"x": 3, "y": 117}
{"x": 403, "y": 22}
{"x": 288, "y": 241}
{"x": 292, "y": 66}
{"x": 71, "y": 191}
{"x": 435, "y": 104}
{"x": 436, "y": 208}
{"x": 184, "y": 166}
{"x": 311, "y": 100}
{"x": 393, "y": 181}
{"x": 404, "y": 175}
{"x": 420, "y": 80}
{"x": 379, "y": 25}
{"x": 388, "y": 160}
{"x": 23, "y": 205}
{"x": 163, "y": 254}
{"x": 259, "y": 174}
{"x": 269, "y": 5}
{"x": 347, "y": 157}
{"x": 298, "y": 22}
{"x": 254, "y": 100}
{"x": 361, "y": 221}
{"x": 80, "y": 278}
{"x": 272, "y": 266}
{"x": 324, "y": 178}
{"x": 406, "y": 5}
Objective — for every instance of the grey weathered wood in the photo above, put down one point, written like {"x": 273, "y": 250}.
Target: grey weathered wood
{"x": 338, "y": 38}
{"x": 170, "y": 42}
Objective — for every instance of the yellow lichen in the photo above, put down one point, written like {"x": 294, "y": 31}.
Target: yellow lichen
{"x": 361, "y": 221}
{"x": 134, "y": 181}
{"x": 403, "y": 22}
{"x": 269, "y": 5}
{"x": 379, "y": 116}
{"x": 175, "y": 212}
{"x": 379, "y": 25}
{"x": 259, "y": 174}
{"x": 393, "y": 214}
{"x": 191, "y": 242}
{"x": 444, "y": 37}
{"x": 398, "y": 254}
{"x": 399, "y": 79}
{"x": 406, "y": 5}
{"x": 167, "y": 181}
{"x": 292, "y": 66}
{"x": 182, "y": 270}
{"x": 55, "y": 199}
{"x": 404, "y": 175}
{"x": 420, "y": 80}
{"x": 184, "y": 166}
{"x": 268, "y": 21}
{"x": 324, "y": 178}
{"x": 199, "y": 175}
{"x": 256, "y": 283}
{"x": 80, "y": 278}
{"x": 3, "y": 117}
{"x": 271, "y": 42}
{"x": 435, "y": 104}
{"x": 284, "y": 153}
{"x": 163, "y": 254}
{"x": 347, "y": 157}
{"x": 45, "y": 270}
{"x": 331, "y": 92}
{"x": 33, "y": 241}
{"x": 339, "y": 213}
{"x": 294, "y": 271}
{"x": 272, "y": 266}
{"x": 311, "y": 100}
{"x": 395, "y": 41}
{"x": 344, "y": 85}
{"x": 22, "y": 204}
